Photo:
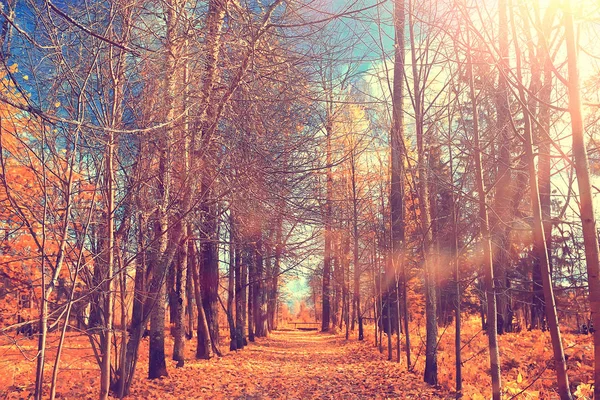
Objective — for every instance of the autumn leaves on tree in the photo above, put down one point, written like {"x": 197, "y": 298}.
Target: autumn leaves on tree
{"x": 179, "y": 180}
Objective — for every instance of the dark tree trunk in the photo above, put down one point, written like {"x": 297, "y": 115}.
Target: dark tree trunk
{"x": 210, "y": 271}
{"x": 326, "y": 312}
{"x": 538, "y": 318}
{"x": 180, "y": 285}
{"x": 157, "y": 366}
{"x": 189, "y": 304}
{"x": 231, "y": 294}
{"x": 430, "y": 373}
{"x": 454, "y": 243}
{"x": 346, "y": 285}
{"x": 138, "y": 320}
{"x": 172, "y": 295}
{"x": 588, "y": 217}
{"x": 336, "y": 264}
{"x": 260, "y": 300}
{"x": 492, "y": 316}
{"x": 241, "y": 279}
{"x": 502, "y": 198}
{"x": 274, "y": 290}
{"x": 204, "y": 343}
{"x": 251, "y": 289}
{"x": 560, "y": 365}
{"x": 397, "y": 183}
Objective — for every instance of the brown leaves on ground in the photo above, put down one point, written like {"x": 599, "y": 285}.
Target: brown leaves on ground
{"x": 292, "y": 365}
{"x": 287, "y": 365}
{"x": 311, "y": 365}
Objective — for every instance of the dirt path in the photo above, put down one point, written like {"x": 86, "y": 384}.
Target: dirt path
{"x": 291, "y": 365}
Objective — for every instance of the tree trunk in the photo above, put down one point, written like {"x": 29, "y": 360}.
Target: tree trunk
{"x": 105, "y": 373}
{"x": 204, "y": 344}
{"x": 346, "y": 285}
{"x": 208, "y": 120}
{"x": 138, "y": 322}
{"x": 166, "y": 239}
{"x": 336, "y": 319}
{"x": 261, "y": 328}
{"x": 180, "y": 286}
{"x": 209, "y": 269}
{"x": 586, "y": 205}
{"x": 172, "y": 294}
{"x": 560, "y": 365}
{"x": 541, "y": 63}
{"x": 189, "y": 304}
{"x": 492, "y": 324}
{"x": 502, "y": 206}
{"x": 231, "y": 295}
{"x": 157, "y": 365}
{"x": 357, "y": 267}
{"x": 240, "y": 299}
{"x": 275, "y": 276}
{"x": 430, "y": 375}
{"x": 326, "y": 313}
{"x": 249, "y": 261}
{"x": 456, "y": 269}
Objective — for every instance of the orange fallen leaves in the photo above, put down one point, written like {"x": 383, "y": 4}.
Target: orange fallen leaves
{"x": 526, "y": 359}
{"x": 287, "y": 365}
{"x": 310, "y": 365}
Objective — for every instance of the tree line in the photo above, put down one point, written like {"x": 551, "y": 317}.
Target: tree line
{"x": 175, "y": 163}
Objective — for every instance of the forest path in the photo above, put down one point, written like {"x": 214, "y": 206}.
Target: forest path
{"x": 292, "y": 365}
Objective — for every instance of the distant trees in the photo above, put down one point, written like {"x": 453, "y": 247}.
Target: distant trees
{"x": 170, "y": 162}
{"x": 146, "y": 204}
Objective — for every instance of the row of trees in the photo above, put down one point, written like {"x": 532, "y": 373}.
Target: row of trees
{"x": 155, "y": 156}
{"x": 475, "y": 123}
{"x": 173, "y": 159}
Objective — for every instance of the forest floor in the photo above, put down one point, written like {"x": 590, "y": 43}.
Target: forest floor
{"x": 310, "y": 365}
{"x": 294, "y": 365}
{"x": 287, "y": 365}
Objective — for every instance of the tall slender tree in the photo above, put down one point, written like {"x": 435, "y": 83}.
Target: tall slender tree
{"x": 586, "y": 204}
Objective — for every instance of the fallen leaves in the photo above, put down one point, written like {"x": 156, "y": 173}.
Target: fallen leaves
{"x": 311, "y": 365}
{"x": 293, "y": 365}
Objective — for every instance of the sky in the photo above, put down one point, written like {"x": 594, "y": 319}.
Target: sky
{"x": 370, "y": 38}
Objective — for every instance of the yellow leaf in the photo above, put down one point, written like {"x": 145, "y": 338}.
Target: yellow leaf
{"x": 26, "y": 77}
{"x": 584, "y": 391}
{"x": 519, "y": 378}
{"x": 57, "y": 104}
{"x": 13, "y": 68}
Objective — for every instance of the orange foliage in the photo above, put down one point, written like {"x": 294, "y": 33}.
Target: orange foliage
{"x": 305, "y": 314}
{"x": 526, "y": 361}
{"x": 28, "y": 185}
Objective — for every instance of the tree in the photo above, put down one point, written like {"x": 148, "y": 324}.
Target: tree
{"x": 540, "y": 240}
{"x": 398, "y": 157}
{"x": 492, "y": 326}
{"x": 586, "y": 205}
